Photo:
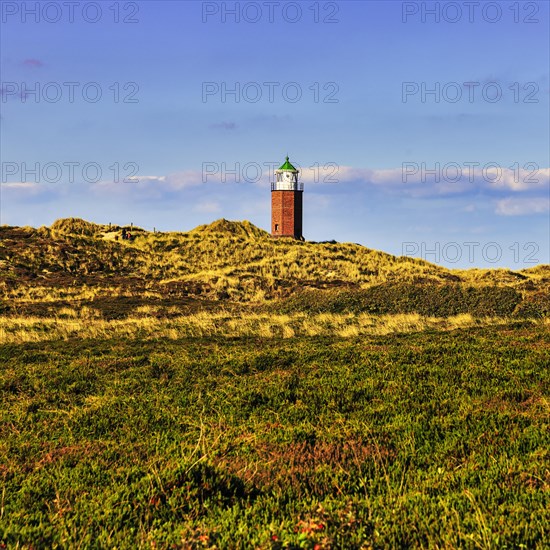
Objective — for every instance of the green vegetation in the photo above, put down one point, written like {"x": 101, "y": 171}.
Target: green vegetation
{"x": 424, "y": 440}
{"x": 429, "y": 299}
{"x": 220, "y": 389}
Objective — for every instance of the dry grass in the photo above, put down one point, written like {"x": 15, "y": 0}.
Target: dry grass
{"x": 236, "y": 261}
{"x": 71, "y": 323}
{"x": 233, "y": 258}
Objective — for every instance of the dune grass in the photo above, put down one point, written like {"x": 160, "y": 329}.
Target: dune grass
{"x": 223, "y": 260}
{"x": 220, "y": 389}
{"x": 85, "y": 324}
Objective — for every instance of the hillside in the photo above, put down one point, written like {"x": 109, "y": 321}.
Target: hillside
{"x": 220, "y": 389}
{"x": 235, "y": 263}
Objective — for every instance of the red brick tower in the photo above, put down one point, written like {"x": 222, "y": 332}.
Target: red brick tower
{"x": 286, "y": 203}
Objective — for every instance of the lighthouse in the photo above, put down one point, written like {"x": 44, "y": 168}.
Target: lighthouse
{"x": 286, "y": 203}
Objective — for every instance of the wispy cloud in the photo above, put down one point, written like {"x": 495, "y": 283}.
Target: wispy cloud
{"x": 522, "y": 206}
{"x": 34, "y": 63}
{"x": 224, "y": 125}
{"x": 208, "y": 207}
{"x": 411, "y": 179}
{"x": 325, "y": 180}
{"x": 20, "y": 185}
{"x": 151, "y": 186}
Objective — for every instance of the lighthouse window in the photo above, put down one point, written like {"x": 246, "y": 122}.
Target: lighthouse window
{"x": 276, "y": 227}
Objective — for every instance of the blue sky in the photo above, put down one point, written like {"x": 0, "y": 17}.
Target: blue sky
{"x": 368, "y": 98}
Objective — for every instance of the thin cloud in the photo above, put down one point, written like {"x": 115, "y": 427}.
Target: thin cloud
{"x": 34, "y": 63}
{"x": 19, "y": 185}
{"x": 325, "y": 178}
{"x": 519, "y": 180}
{"x": 208, "y": 207}
{"x": 224, "y": 126}
{"x": 411, "y": 180}
{"x": 522, "y": 206}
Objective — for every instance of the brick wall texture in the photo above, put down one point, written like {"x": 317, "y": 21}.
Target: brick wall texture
{"x": 286, "y": 214}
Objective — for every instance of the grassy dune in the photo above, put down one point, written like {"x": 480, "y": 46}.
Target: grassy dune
{"x": 225, "y": 260}
{"x": 220, "y": 389}
{"x": 78, "y": 324}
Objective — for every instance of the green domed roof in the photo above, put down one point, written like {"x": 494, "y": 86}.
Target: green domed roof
{"x": 288, "y": 166}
